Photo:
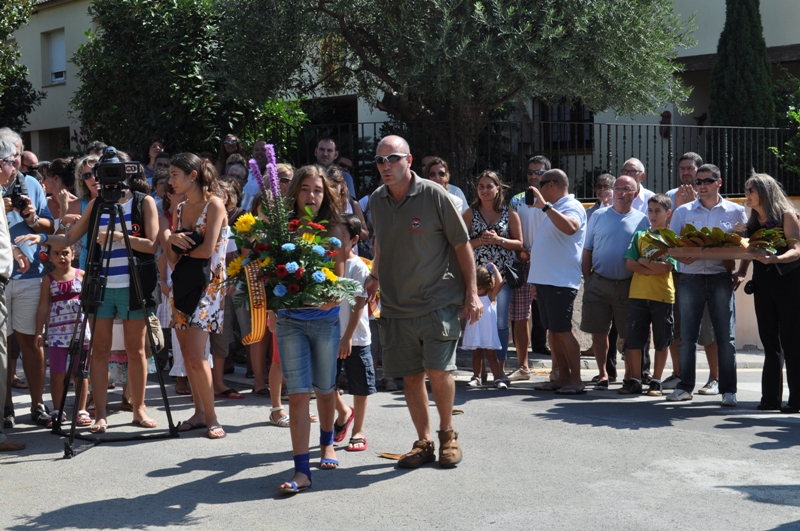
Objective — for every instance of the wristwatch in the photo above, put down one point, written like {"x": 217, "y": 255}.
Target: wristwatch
{"x": 547, "y": 206}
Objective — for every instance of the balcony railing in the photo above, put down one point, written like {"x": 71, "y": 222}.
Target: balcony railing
{"x": 582, "y": 150}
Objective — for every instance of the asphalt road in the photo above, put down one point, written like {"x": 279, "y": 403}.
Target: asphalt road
{"x": 532, "y": 460}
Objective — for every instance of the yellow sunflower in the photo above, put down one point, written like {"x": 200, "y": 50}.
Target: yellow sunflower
{"x": 308, "y": 237}
{"x": 235, "y": 267}
{"x": 244, "y": 223}
{"x": 265, "y": 262}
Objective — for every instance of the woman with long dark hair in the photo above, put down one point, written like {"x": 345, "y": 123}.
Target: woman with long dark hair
{"x": 197, "y": 250}
{"x": 308, "y": 338}
{"x": 495, "y": 234}
{"x": 776, "y": 290}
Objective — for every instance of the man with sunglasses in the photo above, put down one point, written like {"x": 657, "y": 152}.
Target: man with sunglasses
{"x": 29, "y": 164}
{"x": 523, "y": 299}
{"x": 426, "y": 270}
{"x": 556, "y": 273}
{"x": 707, "y": 282}
{"x": 326, "y": 153}
{"x": 22, "y": 297}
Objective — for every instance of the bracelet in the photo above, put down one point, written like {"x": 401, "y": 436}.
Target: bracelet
{"x": 35, "y": 220}
{"x": 63, "y": 227}
{"x": 44, "y": 237}
{"x": 502, "y": 242}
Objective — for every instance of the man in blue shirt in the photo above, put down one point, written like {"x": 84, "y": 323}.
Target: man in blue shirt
{"x": 22, "y": 292}
{"x": 607, "y": 280}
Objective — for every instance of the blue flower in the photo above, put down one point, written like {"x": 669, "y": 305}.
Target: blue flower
{"x": 288, "y": 247}
{"x": 319, "y": 277}
{"x": 291, "y": 267}
{"x": 336, "y": 242}
{"x": 280, "y": 289}
{"x": 319, "y": 250}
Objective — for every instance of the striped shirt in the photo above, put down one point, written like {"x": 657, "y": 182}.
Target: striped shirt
{"x": 118, "y": 273}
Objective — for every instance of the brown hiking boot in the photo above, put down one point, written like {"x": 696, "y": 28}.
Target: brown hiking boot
{"x": 449, "y": 450}
{"x": 422, "y": 452}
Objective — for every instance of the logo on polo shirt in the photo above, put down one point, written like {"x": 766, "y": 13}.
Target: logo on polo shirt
{"x": 415, "y": 225}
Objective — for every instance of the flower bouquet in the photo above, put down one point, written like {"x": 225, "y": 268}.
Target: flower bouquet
{"x": 286, "y": 264}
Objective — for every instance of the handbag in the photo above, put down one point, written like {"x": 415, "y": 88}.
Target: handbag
{"x": 514, "y": 274}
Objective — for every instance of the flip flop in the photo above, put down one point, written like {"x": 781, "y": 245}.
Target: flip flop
{"x": 294, "y": 489}
{"x": 144, "y": 423}
{"x": 326, "y": 461}
{"x": 357, "y": 440}
{"x": 263, "y": 392}
{"x": 183, "y": 391}
{"x": 571, "y": 390}
{"x": 229, "y": 393}
{"x": 549, "y": 386}
{"x": 191, "y": 426}
{"x": 211, "y": 431}
{"x": 339, "y": 432}
{"x": 18, "y": 383}
{"x": 98, "y": 429}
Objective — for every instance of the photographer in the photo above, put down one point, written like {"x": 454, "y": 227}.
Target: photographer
{"x": 120, "y": 301}
{"x": 27, "y": 213}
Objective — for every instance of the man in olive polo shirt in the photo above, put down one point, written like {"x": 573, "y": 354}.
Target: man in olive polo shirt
{"x": 426, "y": 270}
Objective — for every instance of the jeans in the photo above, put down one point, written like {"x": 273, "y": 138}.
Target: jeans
{"x": 503, "y": 305}
{"x": 308, "y": 351}
{"x": 695, "y": 292}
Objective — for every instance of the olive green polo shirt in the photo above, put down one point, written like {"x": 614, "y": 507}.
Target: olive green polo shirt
{"x": 418, "y": 266}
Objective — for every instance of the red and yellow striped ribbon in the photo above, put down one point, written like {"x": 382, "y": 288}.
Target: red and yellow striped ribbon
{"x": 258, "y": 303}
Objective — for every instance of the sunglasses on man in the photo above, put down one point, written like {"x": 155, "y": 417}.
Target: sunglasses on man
{"x": 698, "y": 182}
{"x": 391, "y": 159}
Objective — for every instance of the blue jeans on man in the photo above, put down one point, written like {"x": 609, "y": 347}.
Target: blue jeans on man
{"x": 695, "y": 292}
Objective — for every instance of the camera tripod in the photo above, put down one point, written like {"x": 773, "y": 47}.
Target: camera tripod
{"x": 92, "y": 296}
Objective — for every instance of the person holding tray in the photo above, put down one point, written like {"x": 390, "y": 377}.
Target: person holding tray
{"x": 776, "y": 290}
{"x": 707, "y": 281}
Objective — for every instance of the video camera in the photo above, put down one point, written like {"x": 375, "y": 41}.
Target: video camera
{"x": 18, "y": 189}
{"x": 112, "y": 175}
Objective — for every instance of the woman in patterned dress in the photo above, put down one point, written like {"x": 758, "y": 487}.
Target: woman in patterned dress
{"x": 495, "y": 234}
{"x": 202, "y": 213}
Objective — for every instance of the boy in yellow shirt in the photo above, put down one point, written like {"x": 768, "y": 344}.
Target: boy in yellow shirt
{"x": 652, "y": 296}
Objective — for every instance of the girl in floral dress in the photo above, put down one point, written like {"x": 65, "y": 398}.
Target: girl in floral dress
{"x": 201, "y": 214}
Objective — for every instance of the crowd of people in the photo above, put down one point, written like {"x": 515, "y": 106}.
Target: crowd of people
{"x": 443, "y": 265}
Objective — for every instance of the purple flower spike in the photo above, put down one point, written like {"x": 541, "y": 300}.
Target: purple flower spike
{"x": 257, "y": 173}
{"x": 272, "y": 170}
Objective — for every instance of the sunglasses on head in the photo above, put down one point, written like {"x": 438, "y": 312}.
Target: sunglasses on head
{"x": 394, "y": 157}
{"x": 698, "y": 182}
{"x": 440, "y": 174}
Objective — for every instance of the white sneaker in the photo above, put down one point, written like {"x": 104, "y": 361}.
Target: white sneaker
{"x": 729, "y": 400}
{"x": 671, "y": 382}
{"x": 678, "y": 395}
{"x": 710, "y": 388}
{"x": 519, "y": 374}
{"x": 500, "y": 384}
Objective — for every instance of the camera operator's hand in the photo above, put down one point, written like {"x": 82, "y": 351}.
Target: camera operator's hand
{"x": 28, "y": 213}
{"x": 115, "y": 236}
{"x": 9, "y": 206}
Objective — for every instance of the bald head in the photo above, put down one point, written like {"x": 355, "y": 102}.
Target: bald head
{"x": 396, "y": 143}
{"x": 559, "y": 178}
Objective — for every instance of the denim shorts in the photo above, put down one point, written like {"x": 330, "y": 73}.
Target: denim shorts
{"x": 115, "y": 304}
{"x": 308, "y": 352}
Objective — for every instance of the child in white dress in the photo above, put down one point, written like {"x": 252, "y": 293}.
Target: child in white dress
{"x": 482, "y": 337}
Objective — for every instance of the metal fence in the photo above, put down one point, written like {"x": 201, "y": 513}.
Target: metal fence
{"x": 582, "y": 150}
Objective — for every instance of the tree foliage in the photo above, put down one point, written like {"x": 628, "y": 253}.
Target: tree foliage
{"x": 17, "y": 95}
{"x": 741, "y": 81}
{"x": 146, "y": 71}
{"x": 453, "y": 61}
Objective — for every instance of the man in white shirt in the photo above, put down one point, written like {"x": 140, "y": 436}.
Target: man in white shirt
{"x": 556, "y": 272}
{"x": 707, "y": 282}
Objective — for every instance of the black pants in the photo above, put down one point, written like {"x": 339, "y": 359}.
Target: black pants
{"x": 611, "y": 359}
{"x": 538, "y": 333}
{"x": 775, "y": 299}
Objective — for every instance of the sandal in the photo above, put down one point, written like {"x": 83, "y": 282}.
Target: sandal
{"x": 144, "y": 423}
{"x": 229, "y": 393}
{"x": 18, "y": 383}
{"x": 212, "y": 430}
{"x": 356, "y": 440}
{"x": 84, "y": 419}
{"x": 282, "y": 422}
{"x": 99, "y": 428}
{"x": 339, "y": 432}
